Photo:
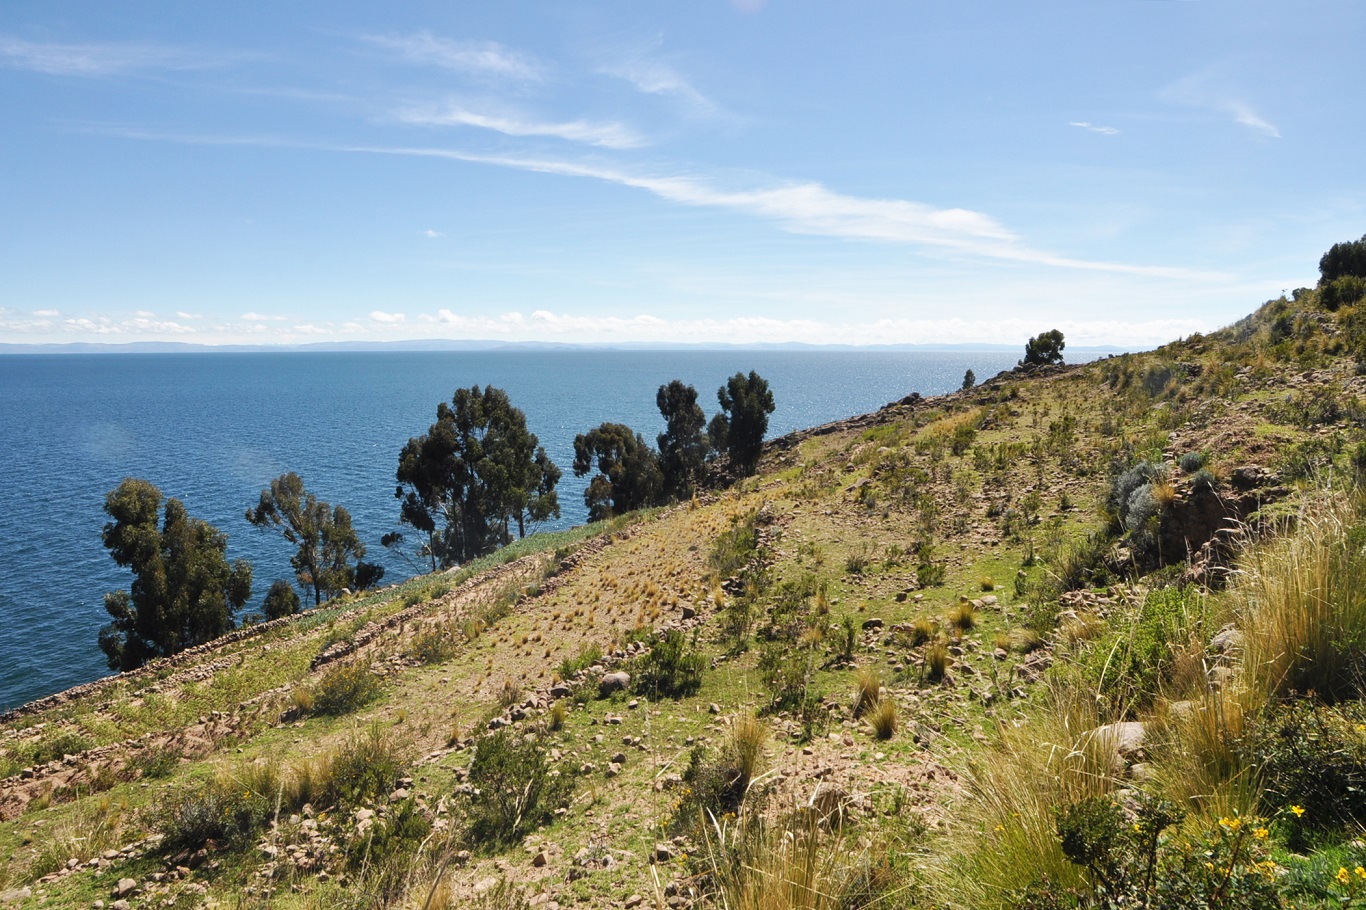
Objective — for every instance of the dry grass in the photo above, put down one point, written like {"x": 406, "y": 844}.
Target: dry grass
{"x": 748, "y": 736}
{"x": 962, "y": 615}
{"x": 936, "y": 661}
{"x": 868, "y": 692}
{"x": 1304, "y": 608}
{"x": 1006, "y": 836}
{"x": 883, "y": 718}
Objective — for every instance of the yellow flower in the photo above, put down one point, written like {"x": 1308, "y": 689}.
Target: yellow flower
{"x": 1230, "y": 823}
{"x": 1261, "y": 833}
{"x": 1361, "y": 873}
{"x": 1343, "y": 877}
{"x": 1298, "y": 810}
{"x": 1000, "y": 828}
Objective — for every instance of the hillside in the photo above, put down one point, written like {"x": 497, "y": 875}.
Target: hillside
{"x": 920, "y": 659}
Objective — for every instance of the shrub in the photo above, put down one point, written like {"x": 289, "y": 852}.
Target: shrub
{"x": 736, "y": 547}
{"x": 671, "y": 668}
{"x": 1313, "y": 756}
{"x": 962, "y": 615}
{"x": 281, "y": 600}
{"x": 515, "y": 790}
{"x": 719, "y": 785}
{"x": 1158, "y": 650}
{"x": 432, "y": 647}
{"x": 787, "y": 673}
{"x": 365, "y": 766}
{"x": 225, "y": 811}
{"x": 344, "y": 689}
{"x": 1192, "y": 462}
{"x": 383, "y": 855}
{"x": 585, "y": 657}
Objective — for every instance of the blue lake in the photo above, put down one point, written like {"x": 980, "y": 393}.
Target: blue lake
{"x": 213, "y": 429}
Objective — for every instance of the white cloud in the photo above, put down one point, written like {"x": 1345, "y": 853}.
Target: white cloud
{"x": 144, "y": 314}
{"x": 96, "y": 59}
{"x": 310, "y": 329}
{"x": 138, "y": 325}
{"x": 644, "y": 327}
{"x": 1206, "y": 89}
{"x": 181, "y": 314}
{"x": 1103, "y": 130}
{"x": 605, "y": 135}
{"x": 655, "y": 78}
{"x": 486, "y": 58}
{"x": 432, "y": 234}
{"x": 811, "y": 208}
{"x": 387, "y": 318}
{"x": 261, "y": 317}
{"x": 46, "y": 313}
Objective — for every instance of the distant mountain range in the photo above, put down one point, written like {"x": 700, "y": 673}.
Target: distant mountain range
{"x": 174, "y": 347}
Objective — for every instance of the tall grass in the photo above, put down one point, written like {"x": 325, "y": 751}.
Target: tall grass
{"x": 1006, "y": 829}
{"x": 1304, "y": 608}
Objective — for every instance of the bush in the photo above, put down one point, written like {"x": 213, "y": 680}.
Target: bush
{"x": 281, "y": 600}
{"x": 735, "y": 547}
{"x": 719, "y": 785}
{"x": 585, "y": 657}
{"x": 1158, "y": 650}
{"x": 432, "y": 647}
{"x": 365, "y": 766}
{"x": 787, "y": 673}
{"x": 345, "y": 689}
{"x": 226, "y": 811}
{"x": 671, "y": 668}
{"x": 1313, "y": 756}
{"x": 515, "y": 790}
{"x": 1192, "y": 462}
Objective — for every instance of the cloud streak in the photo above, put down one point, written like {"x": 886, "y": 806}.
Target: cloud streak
{"x": 653, "y": 78}
{"x": 604, "y": 135}
{"x": 1196, "y": 91}
{"x": 482, "y": 58}
{"x": 1092, "y": 128}
{"x": 96, "y": 59}
{"x": 798, "y": 207}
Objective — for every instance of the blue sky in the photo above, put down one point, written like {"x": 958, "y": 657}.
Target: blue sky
{"x": 1129, "y": 171}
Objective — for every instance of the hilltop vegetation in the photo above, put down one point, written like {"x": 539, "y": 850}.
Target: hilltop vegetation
{"x": 1074, "y": 636}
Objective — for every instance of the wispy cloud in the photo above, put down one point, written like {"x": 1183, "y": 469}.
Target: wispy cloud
{"x": 655, "y": 78}
{"x": 484, "y": 58}
{"x": 1205, "y": 89}
{"x": 180, "y": 314}
{"x": 96, "y": 59}
{"x": 47, "y": 314}
{"x": 432, "y": 234}
{"x": 605, "y": 135}
{"x": 1091, "y": 127}
{"x": 137, "y": 325}
{"x": 799, "y": 207}
{"x": 262, "y": 317}
{"x": 387, "y": 318}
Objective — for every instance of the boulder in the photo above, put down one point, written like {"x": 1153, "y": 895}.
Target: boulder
{"x": 614, "y": 682}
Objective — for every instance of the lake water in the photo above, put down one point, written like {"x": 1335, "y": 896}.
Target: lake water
{"x": 214, "y": 429}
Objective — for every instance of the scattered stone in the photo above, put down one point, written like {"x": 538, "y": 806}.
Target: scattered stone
{"x": 689, "y": 612}
{"x": 663, "y": 853}
{"x": 713, "y": 708}
{"x": 871, "y": 624}
{"x": 635, "y": 900}
{"x": 125, "y": 887}
{"x": 540, "y": 859}
{"x": 560, "y": 690}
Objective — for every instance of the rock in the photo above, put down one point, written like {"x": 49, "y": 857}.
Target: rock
{"x": 635, "y": 900}
{"x": 871, "y": 624}
{"x": 713, "y": 708}
{"x": 398, "y": 795}
{"x": 1226, "y": 640}
{"x": 125, "y": 887}
{"x": 121, "y": 905}
{"x": 618, "y": 759}
{"x": 689, "y": 612}
{"x": 560, "y": 690}
{"x": 16, "y": 895}
{"x": 1125, "y": 739}
{"x": 1220, "y": 678}
{"x": 614, "y": 682}
{"x": 633, "y": 704}
{"x": 540, "y": 859}
{"x": 613, "y": 769}
{"x": 662, "y": 853}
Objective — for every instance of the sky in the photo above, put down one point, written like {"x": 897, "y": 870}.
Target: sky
{"x": 1128, "y": 171}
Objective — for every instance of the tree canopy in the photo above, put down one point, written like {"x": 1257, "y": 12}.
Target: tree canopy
{"x": 476, "y": 473}
{"x": 683, "y": 444}
{"x": 1044, "y": 349}
{"x": 325, "y": 539}
{"x": 183, "y": 591}
{"x": 628, "y": 477}
{"x": 1342, "y": 260}
{"x": 739, "y": 428}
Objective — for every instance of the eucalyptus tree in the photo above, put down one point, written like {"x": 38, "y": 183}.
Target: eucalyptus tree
{"x": 683, "y": 444}
{"x": 476, "y": 474}
{"x": 628, "y": 474}
{"x": 328, "y": 555}
{"x": 738, "y": 430}
{"x": 183, "y": 591}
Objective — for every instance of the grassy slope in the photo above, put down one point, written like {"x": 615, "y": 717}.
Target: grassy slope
{"x": 847, "y": 504}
